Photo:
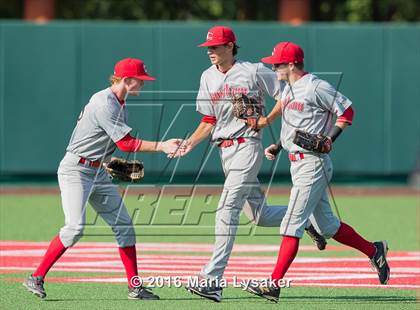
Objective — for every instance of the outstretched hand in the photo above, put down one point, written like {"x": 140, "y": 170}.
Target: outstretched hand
{"x": 184, "y": 148}
{"x": 170, "y": 146}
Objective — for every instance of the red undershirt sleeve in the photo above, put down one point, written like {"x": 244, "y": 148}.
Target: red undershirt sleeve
{"x": 129, "y": 144}
{"x": 347, "y": 116}
{"x": 209, "y": 119}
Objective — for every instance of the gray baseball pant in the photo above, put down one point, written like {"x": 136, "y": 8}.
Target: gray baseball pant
{"x": 80, "y": 184}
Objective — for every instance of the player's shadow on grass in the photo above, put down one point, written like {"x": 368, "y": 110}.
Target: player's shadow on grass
{"x": 300, "y": 299}
{"x": 196, "y": 298}
{"x": 83, "y": 299}
{"x": 202, "y": 298}
{"x": 357, "y": 298}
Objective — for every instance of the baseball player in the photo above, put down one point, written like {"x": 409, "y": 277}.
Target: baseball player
{"x": 101, "y": 128}
{"x": 240, "y": 149}
{"x": 312, "y": 106}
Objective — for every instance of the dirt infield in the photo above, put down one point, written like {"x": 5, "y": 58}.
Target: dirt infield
{"x": 136, "y": 190}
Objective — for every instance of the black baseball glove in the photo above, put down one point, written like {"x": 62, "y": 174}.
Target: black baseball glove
{"x": 313, "y": 142}
{"x": 125, "y": 170}
{"x": 246, "y": 108}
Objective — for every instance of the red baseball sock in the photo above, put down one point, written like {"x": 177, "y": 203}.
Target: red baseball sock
{"x": 129, "y": 259}
{"x": 287, "y": 253}
{"x": 348, "y": 236}
{"x": 54, "y": 252}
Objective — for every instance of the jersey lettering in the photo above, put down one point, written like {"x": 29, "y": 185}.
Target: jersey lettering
{"x": 227, "y": 92}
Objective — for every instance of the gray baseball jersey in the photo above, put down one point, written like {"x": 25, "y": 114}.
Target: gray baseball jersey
{"x": 216, "y": 89}
{"x": 311, "y": 105}
{"x": 102, "y": 122}
{"x": 241, "y": 162}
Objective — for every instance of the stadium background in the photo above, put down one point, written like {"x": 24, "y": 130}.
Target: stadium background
{"x": 55, "y": 54}
{"x": 49, "y": 70}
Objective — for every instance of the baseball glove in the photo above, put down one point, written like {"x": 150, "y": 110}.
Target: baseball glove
{"x": 125, "y": 170}
{"x": 313, "y": 142}
{"x": 245, "y": 107}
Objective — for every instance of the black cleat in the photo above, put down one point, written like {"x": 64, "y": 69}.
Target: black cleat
{"x": 210, "y": 291}
{"x": 35, "y": 285}
{"x": 379, "y": 263}
{"x": 141, "y": 293}
{"x": 264, "y": 289}
{"x": 318, "y": 239}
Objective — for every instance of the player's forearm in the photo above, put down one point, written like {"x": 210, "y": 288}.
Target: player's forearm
{"x": 275, "y": 112}
{"x": 202, "y": 132}
{"x": 131, "y": 144}
{"x": 151, "y": 146}
{"x": 271, "y": 117}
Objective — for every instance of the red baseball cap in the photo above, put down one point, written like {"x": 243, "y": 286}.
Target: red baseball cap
{"x": 219, "y": 35}
{"x": 132, "y": 67}
{"x": 285, "y": 52}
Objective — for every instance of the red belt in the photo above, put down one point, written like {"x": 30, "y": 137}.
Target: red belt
{"x": 230, "y": 142}
{"x": 296, "y": 156}
{"x": 94, "y": 164}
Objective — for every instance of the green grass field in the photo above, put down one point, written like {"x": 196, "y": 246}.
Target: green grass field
{"x": 38, "y": 218}
{"x": 113, "y": 296}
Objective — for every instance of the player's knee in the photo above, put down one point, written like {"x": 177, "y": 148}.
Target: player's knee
{"x": 69, "y": 235}
{"x": 227, "y": 217}
{"x": 269, "y": 217}
{"x": 292, "y": 229}
{"x": 330, "y": 230}
{"x": 125, "y": 235}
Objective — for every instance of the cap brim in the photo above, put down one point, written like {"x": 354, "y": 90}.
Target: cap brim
{"x": 269, "y": 60}
{"x": 145, "y": 77}
{"x": 212, "y": 43}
